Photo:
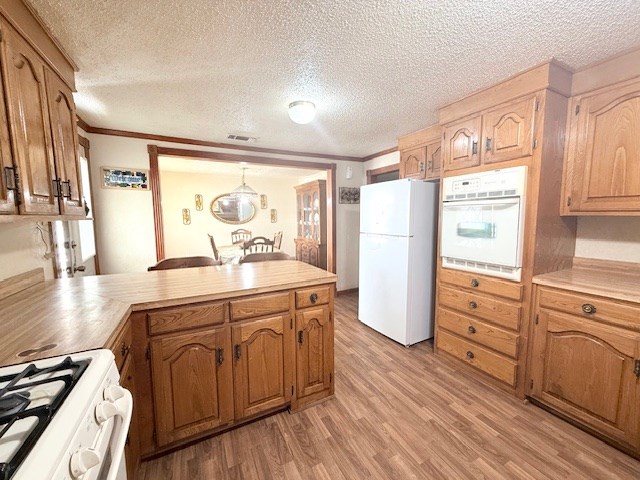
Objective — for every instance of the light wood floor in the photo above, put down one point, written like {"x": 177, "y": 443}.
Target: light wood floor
{"x": 400, "y": 413}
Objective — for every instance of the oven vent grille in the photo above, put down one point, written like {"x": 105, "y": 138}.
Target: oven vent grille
{"x": 486, "y": 268}
{"x": 476, "y": 195}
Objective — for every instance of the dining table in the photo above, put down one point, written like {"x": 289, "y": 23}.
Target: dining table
{"x": 231, "y": 254}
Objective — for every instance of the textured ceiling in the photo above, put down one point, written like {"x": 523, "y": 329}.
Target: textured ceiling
{"x": 376, "y": 69}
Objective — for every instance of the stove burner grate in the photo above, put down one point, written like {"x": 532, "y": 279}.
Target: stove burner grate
{"x": 14, "y": 404}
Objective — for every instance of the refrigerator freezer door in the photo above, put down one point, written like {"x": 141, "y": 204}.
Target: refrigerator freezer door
{"x": 385, "y": 208}
{"x": 384, "y": 284}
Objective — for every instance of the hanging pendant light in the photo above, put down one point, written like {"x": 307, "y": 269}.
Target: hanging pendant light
{"x": 244, "y": 190}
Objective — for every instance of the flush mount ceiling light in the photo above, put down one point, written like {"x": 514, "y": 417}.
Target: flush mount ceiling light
{"x": 244, "y": 190}
{"x": 302, "y": 111}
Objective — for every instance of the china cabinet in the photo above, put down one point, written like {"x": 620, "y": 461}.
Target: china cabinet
{"x": 311, "y": 242}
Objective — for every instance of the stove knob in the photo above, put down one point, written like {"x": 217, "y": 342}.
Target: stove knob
{"x": 83, "y": 460}
{"x": 105, "y": 410}
{"x": 113, "y": 393}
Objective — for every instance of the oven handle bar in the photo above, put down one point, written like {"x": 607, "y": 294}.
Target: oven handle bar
{"x": 499, "y": 202}
{"x": 125, "y": 409}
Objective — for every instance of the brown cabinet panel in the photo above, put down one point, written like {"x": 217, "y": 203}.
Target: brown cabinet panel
{"x": 434, "y": 160}
{"x": 29, "y": 113}
{"x": 461, "y": 149}
{"x": 263, "y": 362}
{"x": 479, "y": 357}
{"x": 587, "y": 371}
{"x": 313, "y": 296}
{"x": 62, "y": 112}
{"x": 508, "y": 132}
{"x": 603, "y": 153}
{"x": 8, "y": 202}
{"x": 122, "y": 346}
{"x": 314, "y": 354}
{"x": 499, "y": 312}
{"x": 192, "y": 383}
{"x": 186, "y": 317}
{"x": 491, "y": 336}
{"x": 481, "y": 283}
{"x": 259, "y": 306}
{"x": 413, "y": 163}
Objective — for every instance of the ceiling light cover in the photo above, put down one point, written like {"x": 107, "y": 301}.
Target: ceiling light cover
{"x": 244, "y": 190}
{"x": 302, "y": 111}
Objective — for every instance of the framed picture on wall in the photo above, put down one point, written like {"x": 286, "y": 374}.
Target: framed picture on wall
{"x": 349, "y": 195}
{"x": 124, "y": 178}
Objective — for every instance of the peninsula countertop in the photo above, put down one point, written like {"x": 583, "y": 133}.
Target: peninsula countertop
{"x": 58, "y": 317}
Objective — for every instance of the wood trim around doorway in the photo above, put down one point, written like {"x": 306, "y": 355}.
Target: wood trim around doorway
{"x": 395, "y": 167}
{"x": 154, "y": 184}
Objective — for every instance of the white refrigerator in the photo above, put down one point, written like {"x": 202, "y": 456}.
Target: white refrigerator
{"x": 398, "y": 226}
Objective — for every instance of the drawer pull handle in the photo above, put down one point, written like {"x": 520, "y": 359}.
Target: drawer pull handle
{"x": 473, "y": 305}
{"x": 470, "y": 355}
{"x": 236, "y": 351}
{"x": 124, "y": 349}
{"x": 588, "y": 308}
{"x": 313, "y": 297}
{"x": 474, "y": 283}
{"x": 300, "y": 337}
{"x": 220, "y": 356}
{"x": 471, "y": 329}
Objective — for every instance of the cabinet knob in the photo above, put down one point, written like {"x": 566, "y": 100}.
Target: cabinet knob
{"x": 470, "y": 355}
{"x": 474, "y": 282}
{"x": 313, "y": 298}
{"x": 473, "y": 305}
{"x": 471, "y": 329}
{"x": 588, "y": 308}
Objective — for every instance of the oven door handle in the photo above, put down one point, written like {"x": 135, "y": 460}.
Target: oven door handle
{"x": 120, "y": 431}
{"x": 498, "y": 203}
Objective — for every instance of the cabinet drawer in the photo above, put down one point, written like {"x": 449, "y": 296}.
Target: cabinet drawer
{"x": 493, "y": 337}
{"x": 122, "y": 346}
{"x": 259, "y": 306}
{"x": 312, "y": 296}
{"x": 602, "y": 309}
{"x": 482, "y": 284}
{"x": 186, "y": 317}
{"x": 491, "y": 363}
{"x": 503, "y": 313}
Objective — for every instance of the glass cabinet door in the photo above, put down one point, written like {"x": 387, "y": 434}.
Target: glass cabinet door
{"x": 307, "y": 215}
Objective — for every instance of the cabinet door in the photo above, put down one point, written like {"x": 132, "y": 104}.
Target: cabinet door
{"x": 508, "y": 132}
{"x": 314, "y": 351}
{"x": 7, "y": 177}
{"x": 263, "y": 360}
{"x": 604, "y": 151}
{"x": 192, "y": 383}
{"x": 413, "y": 163}
{"x": 31, "y": 135}
{"x": 461, "y": 148}
{"x": 132, "y": 446}
{"x": 586, "y": 370}
{"x": 434, "y": 160}
{"x": 62, "y": 112}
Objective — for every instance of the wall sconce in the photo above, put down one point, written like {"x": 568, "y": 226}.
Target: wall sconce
{"x": 198, "y": 202}
{"x": 348, "y": 174}
{"x": 186, "y": 216}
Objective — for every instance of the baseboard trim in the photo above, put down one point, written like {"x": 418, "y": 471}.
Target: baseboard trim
{"x": 349, "y": 290}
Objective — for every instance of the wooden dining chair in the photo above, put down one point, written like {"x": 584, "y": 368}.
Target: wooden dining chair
{"x": 258, "y": 244}
{"x": 240, "y": 235}
{"x": 184, "y": 262}
{"x": 277, "y": 240}
{"x": 264, "y": 257}
{"x": 216, "y": 254}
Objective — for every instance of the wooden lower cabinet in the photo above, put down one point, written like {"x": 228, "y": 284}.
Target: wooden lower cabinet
{"x": 314, "y": 351}
{"x": 588, "y": 370}
{"x": 192, "y": 383}
{"x": 262, "y": 370}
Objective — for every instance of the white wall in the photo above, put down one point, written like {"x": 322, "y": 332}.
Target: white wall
{"x": 124, "y": 219}
{"x": 178, "y": 192}
{"x": 22, "y": 248}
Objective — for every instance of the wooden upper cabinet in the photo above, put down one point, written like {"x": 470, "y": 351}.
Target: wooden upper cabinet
{"x": 8, "y": 182}
{"x": 508, "y": 132}
{"x": 31, "y": 132}
{"x": 434, "y": 160}
{"x": 461, "y": 149}
{"x": 602, "y": 162}
{"x": 314, "y": 351}
{"x": 586, "y": 370}
{"x": 192, "y": 383}
{"x": 62, "y": 112}
{"x": 263, "y": 364}
{"x": 413, "y": 163}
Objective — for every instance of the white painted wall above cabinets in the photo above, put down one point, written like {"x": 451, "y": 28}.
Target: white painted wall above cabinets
{"x": 23, "y": 247}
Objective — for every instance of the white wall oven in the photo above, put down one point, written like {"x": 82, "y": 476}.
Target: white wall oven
{"x": 64, "y": 418}
{"x": 483, "y": 222}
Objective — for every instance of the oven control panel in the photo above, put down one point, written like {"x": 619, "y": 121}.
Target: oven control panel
{"x": 506, "y": 182}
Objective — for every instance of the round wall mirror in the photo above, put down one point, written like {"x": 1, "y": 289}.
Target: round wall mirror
{"x": 231, "y": 209}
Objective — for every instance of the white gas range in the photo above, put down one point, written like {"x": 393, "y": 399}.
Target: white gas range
{"x": 64, "y": 418}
